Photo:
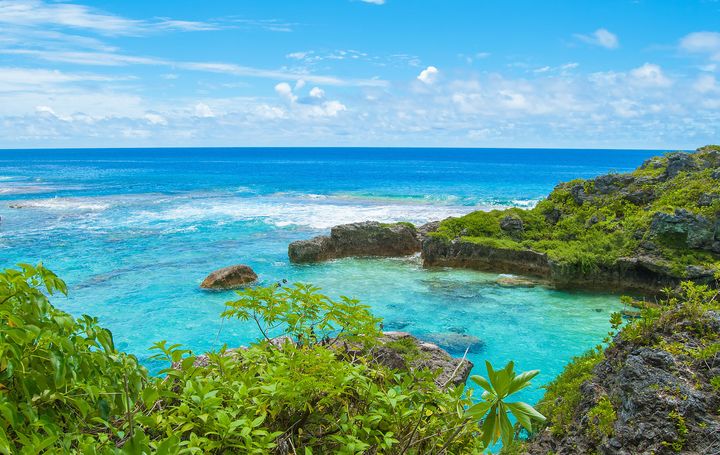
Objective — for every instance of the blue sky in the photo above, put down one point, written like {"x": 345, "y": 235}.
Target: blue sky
{"x": 612, "y": 73}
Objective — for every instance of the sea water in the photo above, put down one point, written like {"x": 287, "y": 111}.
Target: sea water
{"x": 134, "y": 232}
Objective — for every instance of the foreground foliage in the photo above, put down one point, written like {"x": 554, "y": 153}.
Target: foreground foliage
{"x": 64, "y": 388}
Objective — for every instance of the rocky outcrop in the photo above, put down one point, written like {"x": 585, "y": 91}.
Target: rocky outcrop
{"x": 512, "y": 225}
{"x": 395, "y": 350}
{"x": 457, "y": 253}
{"x": 419, "y": 355}
{"x": 686, "y": 230}
{"x": 656, "y": 396}
{"x": 358, "y": 239}
{"x": 644, "y": 273}
{"x": 233, "y": 277}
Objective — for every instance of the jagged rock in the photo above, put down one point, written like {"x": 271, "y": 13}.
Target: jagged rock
{"x": 679, "y": 162}
{"x": 578, "y": 194}
{"x": 611, "y": 183}
{"x": 641, "y": 196}
{"x": 512, "y": 225}
{"x": 655, "y": 162}
{"x": 427, "y": 228}
{"x": 553, "y": 215}
{"x": 232, "y": 277}
{"x": 683, "y": 228}
{"x": 450, "y": 371}
{"x": 716, "y": 174}
{"x": 707, "y": 199}
{"x": 663, "y": 400}
{"x": 456, "y": 343}
{"x": 369, "y": 238}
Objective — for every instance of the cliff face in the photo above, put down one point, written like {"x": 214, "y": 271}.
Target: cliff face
{"x": 655, "y": 390}
{"x": 358, "y": 239}
{"x": 648, "y": 229}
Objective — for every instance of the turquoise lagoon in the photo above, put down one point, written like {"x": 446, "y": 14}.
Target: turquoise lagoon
{"x": 134, "y": 232}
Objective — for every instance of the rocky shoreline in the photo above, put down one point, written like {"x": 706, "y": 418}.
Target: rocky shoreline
{"x": 643, "y": 273}
{"x": 667, "y": 244}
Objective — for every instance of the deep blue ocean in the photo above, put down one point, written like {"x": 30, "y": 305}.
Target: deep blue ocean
{"x": 134, "y": 232}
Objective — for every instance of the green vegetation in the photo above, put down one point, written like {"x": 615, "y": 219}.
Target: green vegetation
{"x": 584, "y": 225}
{"x": 64, "y": 388}
{"x": 602, "y": 418}
{"x": 494, "y": 408}
{"x": 682, "y": 431}
{"x": 563, "y": 395}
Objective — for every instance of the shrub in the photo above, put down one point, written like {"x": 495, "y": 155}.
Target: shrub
{"x": 64, "y": 388}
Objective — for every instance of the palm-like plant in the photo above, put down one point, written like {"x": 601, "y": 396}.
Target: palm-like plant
{"x": 494, "y": 409}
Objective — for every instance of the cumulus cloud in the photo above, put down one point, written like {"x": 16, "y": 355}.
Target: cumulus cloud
{"x": 650, "y": 75}
{"x": 317, "y": 92}
{"x": 428, "y": 75}
{"x": 286, "y": 92}
{"x": 601, "y": 37}
{"x": 202, "y": 110}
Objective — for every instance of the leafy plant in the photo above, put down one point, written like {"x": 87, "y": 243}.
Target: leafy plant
{"x": 305, "y": 315}
{"x": 494, "y": 408}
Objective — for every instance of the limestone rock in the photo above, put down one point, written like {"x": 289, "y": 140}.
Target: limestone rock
{"x": 512, "y": 281}
{"x": 512, "y": 225}
{"x": 450, "y": 371}
{"x": 683, "y": 228}
{"x": 232, "y": 277}
{"x": 369, "y": 238}
{"x": 679, "y": 162}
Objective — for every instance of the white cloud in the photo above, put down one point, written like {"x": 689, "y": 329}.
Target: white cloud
{"x": 601, "y": 37}
{"x": 650, "y": 75}
{"x": 702, "y": 43}
{"x": 202, "y": 110}
{"x": 286, "y": 92}
{"x": 114, "y": 59}
{"x": 428, "y": 75}
{"x": 155, "y": 119}
{"x": 317, "y": 92}
{"x": 374, "y": 2}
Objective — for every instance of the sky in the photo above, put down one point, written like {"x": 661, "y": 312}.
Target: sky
{"x": 417, "y": 73}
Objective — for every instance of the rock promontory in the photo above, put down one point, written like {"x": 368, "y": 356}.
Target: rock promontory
{"x": 368, "y": 238}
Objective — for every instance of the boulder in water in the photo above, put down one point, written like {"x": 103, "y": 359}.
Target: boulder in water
{"x": 456, "y": 343}
{"x": 233, "y": 277}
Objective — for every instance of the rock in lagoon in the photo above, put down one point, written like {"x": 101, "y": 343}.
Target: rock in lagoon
{"x": 233, "y": 277}
{"x": 456, "y": 343}
{"x": 369, "y": 238}
{"x": 512, "y": 281}
{"x": 450, "y": 371}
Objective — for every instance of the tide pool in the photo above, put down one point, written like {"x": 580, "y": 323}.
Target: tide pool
{"x": 134, "y": 232}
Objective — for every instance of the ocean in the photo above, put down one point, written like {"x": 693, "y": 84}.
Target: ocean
{"x": 133, "y": 232}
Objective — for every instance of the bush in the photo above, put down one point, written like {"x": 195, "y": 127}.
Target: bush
{"x": 64, "y": 388}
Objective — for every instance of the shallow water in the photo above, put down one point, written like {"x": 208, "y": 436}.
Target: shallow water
{"x": 135, "y": 232}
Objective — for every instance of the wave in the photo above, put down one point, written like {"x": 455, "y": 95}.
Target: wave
{"x": 289, "y": 213}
